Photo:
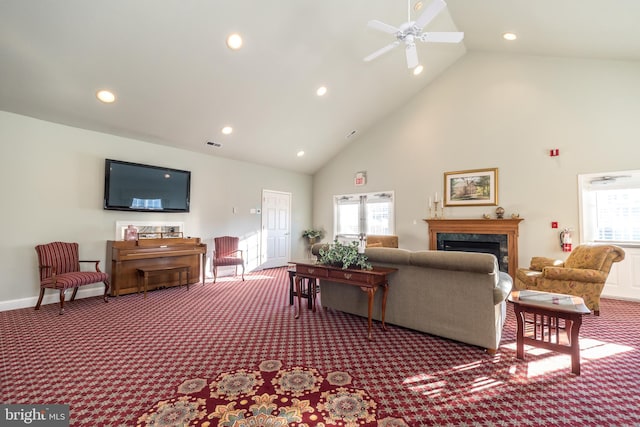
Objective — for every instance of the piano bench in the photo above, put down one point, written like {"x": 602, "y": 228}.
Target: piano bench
{"x": 145, "y": 272}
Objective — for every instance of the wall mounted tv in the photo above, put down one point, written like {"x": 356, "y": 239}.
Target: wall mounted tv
{"x": 144, "y": 188}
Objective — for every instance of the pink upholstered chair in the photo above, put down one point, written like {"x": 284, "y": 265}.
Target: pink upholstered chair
{"x": 59, "y": 267}
{"x": 226, "y": 253}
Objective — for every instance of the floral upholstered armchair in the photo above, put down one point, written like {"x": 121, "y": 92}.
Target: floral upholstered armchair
{"x": 583, "y": 274}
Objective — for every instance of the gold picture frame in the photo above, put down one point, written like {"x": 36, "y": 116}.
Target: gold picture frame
{"x": 475, "y": 187}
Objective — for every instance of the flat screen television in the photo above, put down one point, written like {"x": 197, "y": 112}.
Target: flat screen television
{"x": 144, "y": 188}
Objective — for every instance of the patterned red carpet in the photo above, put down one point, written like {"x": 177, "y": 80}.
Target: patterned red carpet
{"x": 231, "y": 353}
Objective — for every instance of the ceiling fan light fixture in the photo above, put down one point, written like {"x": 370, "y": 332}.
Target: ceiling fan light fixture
{"x": 509, "y": 36}
{"x": 411, "y": 32}
{"x": 418, "y": 70}
{"x": 234, "y": 41}
{"x": 105, "y": 96}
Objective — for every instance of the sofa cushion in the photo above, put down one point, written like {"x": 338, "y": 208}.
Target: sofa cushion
{"x": 585, "y": 256}
{"x": 457, "y": 261}
{"x": 388, "y": 255}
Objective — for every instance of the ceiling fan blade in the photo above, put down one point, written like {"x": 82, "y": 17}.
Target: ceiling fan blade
{"x": 412, "y": 56}
{"x": 431, "y": 12}
{"x": 442, "y": 37}
{"x": 377, "y": 25}
{"x": 382, "y": 51}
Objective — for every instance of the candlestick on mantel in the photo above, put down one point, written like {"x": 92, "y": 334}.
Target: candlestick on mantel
{"x": 437, "y": 212}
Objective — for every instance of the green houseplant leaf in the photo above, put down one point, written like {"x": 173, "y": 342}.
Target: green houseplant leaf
{"x": 312, "y": 233}
{"x": 344, "y": 255}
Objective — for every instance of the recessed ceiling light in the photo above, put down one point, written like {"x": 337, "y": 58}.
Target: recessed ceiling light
{"x": 418, "y": 70}
{"x": 509, "y": 36}
{"x": 322, "y": 90}
{"x": 300, "y": 153}
{"x": 234, "y": 41}
{"x": 106, "y": 96}
{"x": 227, "y": 130}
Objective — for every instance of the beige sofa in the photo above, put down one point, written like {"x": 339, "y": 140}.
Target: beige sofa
{"x": 455, "y": 295}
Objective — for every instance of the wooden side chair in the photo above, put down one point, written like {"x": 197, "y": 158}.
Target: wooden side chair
{"x": 226, "y": 253}
{"x": 59, "y": 267}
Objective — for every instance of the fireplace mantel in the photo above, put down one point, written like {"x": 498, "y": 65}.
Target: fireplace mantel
{"x": 508, "y": 227}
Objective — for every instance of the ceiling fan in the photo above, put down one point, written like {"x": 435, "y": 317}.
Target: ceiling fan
{"x": 411, "y": 31}
{"x": 607, "y": 179}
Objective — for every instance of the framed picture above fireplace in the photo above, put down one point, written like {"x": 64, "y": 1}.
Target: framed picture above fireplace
{"x": 476, "y": 187}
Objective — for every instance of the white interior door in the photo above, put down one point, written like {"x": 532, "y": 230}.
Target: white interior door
{"x": 276, "y": 228}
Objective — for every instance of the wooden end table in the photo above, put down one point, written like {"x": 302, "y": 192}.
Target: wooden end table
{"x": 309, "y": 293}
{"x": 547, "y": 310}
{"x": 367, "y": 280}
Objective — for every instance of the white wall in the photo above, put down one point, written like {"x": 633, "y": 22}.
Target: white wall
{"x": 51, "y": 187}
{"x": 504, "y": 111}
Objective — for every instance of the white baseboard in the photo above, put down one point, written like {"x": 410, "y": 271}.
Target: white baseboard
{"x": 51, "y": 296}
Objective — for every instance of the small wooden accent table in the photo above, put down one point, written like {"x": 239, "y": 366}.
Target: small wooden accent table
{"x": 547, "y": 308}
{"x": 367, "y": 280}
{"x": 145, "y": 272}
{"x": 309, "y": 293}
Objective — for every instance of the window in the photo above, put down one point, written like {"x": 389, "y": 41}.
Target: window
{"x": 369, "y": 213}
{"x": 610, "y": 207}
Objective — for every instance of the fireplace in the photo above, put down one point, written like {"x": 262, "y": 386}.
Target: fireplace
{"x": 495, "y": 236}
{"x": 494, "y": 244}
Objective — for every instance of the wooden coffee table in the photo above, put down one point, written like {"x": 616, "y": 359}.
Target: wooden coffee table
{"x": 543, "y": 329}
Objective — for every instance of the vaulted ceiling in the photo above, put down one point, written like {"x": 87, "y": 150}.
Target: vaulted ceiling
{"x": 178, "y": 84}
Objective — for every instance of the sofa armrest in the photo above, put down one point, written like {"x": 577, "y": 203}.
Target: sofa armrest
{"x": 503, "y": 288}
{"x": 390, "y": 241}
{"x": 574, "y": 274}
{"x": 315, "y": 248}
{"x": 538, "y": 263}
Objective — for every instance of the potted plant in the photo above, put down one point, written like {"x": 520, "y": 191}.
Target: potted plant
{"x": 344, "y": 255}
{"x": 313, "y": 235}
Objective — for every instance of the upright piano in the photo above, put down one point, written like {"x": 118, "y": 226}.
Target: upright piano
{"x": 124, "y": 257}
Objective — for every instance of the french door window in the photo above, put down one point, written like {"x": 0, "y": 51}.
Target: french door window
{"x": 365, "y": 213}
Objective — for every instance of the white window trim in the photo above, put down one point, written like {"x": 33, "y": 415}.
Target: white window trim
{"x": 587, "y": 183}
{"x": 358, "y": 197}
